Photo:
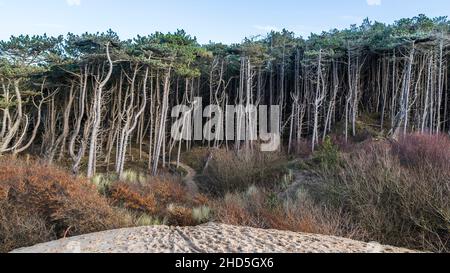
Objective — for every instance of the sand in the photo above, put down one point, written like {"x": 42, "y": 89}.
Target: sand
{"x": 208, "y": 238}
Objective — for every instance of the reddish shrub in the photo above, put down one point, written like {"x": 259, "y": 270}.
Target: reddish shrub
{"x": 200, "y": 200}
{"x": 65, "y": 205}
{"x": 180, "y": 216}
{"x": 133, "y": 198}
{"x": 418, "y": 150}
{"x": 169, "y": 191}
{"x": 162, "y": 197}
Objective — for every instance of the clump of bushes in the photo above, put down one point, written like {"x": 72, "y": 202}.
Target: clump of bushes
{"x": 162, "y": 197}
{"x": 424, "y": 151}
{"x": 39, "y": 203}
{"x": 398, "y": 192}
{"x": 229, "y": 171}
{"x": 261, "y": 209}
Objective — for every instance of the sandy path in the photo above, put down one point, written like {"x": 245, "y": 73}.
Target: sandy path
{"x": 209, "y": 238}
{"x": 189, "y": 178}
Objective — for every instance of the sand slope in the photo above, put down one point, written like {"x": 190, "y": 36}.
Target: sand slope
{"x": 209, "y": 238}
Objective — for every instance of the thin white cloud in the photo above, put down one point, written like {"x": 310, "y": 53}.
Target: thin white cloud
{"x": 73, "y": 3}
{"x": 266, "y": 28}
{"x": 374, "y": 2}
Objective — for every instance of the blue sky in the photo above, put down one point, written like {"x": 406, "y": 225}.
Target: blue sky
{"x": 225, "y": 21}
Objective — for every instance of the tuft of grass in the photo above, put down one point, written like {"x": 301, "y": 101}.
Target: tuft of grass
{"x": 103, "y": 182}
{"x": 201, "y": 214}
{"x": 131, "y": 176}
{"x": 147, "y": 220}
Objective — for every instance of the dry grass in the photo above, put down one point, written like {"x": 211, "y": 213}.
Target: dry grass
{"x": 46, "y": 202}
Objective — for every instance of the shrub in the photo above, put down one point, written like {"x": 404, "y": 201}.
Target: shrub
{"x": 20, "y": 228}
{"x": 58, "y": 203}
{"x": 180, "y": 215}
{"x": 169, "y": 191}
{"x": 328, "y": 154}
{"x": 231, "y": 172}
{"x": 162, "y": 197}
{"x": 424, "y": 151}
{"x": 133, "y": 197}
{"x": 255, "y": 208}
{"x": 399, "y": 193}
{"x": 232, "y": 210}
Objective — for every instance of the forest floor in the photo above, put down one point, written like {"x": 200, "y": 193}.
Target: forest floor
{"x": 222, "y": 202}
{"x": 208, "y": 238}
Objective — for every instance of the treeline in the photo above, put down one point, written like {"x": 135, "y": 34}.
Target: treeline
{"x": 96, "y": 99}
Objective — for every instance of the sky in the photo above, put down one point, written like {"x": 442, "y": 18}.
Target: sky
{"x": 227, "y": 21}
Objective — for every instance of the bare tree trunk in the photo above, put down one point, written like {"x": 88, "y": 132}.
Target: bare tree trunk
{"x": 77, "y": 156}
{"x": 130, "y": 127}
{"x": 14, "y": 130}
{"x": 97, "y": 118}
{"x": 320, "y": 96}
{"x": 37, "y": 124}
{"x": 162, "y": 126}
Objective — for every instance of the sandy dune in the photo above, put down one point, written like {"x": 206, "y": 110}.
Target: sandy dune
{"x": 209, "y": 238}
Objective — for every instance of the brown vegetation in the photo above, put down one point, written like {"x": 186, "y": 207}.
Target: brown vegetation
{"x": 163, "y": 197}
{"x": 39, "y": 202}
{"x": 260, "y": 209}
{"x": 393, "y": 192}
{"x": 397, "y": 191}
